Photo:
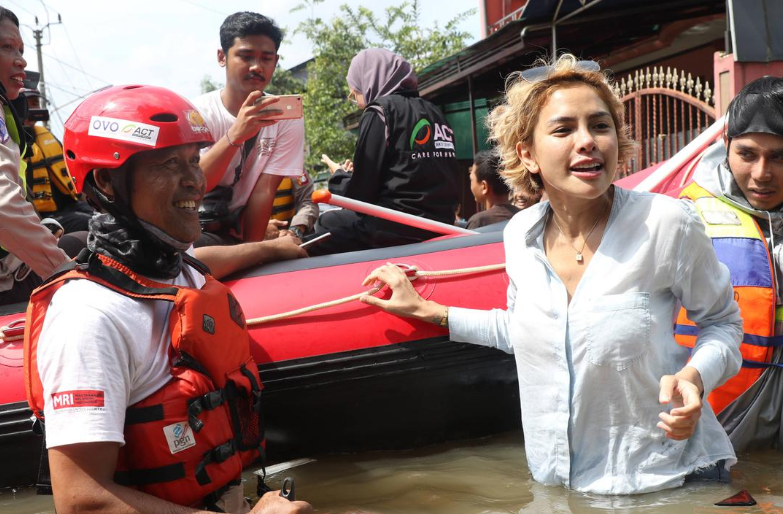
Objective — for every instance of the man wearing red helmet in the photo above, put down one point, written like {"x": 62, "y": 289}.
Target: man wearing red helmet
{"x": 25, "y": 244}
{"x": 251, "y": 154}
{"x": 136, "y": 358}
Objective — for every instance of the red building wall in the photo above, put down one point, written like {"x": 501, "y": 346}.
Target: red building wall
{"x": 496, "y": 10}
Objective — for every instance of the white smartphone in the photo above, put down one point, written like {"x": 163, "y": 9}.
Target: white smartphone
{"x": 289, "y": 107}
{"x": 316, "y": 240}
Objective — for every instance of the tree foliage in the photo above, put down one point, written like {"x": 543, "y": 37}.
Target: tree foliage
{"x": 336, "y": 41}
{"x": 284, "y": 83}
{"x": 208, "y": 84}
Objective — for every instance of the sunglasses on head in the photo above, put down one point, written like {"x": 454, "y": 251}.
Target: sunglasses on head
{"x": 542, "y": 72}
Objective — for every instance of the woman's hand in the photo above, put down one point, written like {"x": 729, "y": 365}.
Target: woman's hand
{"x": 347, "y": 166}
{"x": 685, "y": 396}
{"x": 404, "y": 301}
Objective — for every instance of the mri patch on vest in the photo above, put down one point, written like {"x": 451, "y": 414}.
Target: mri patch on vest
{"x": 721, "y": 218}
{"x": 77, "y": 399}
{"x": 209, "y": 324}
{"x": 179, "y": 436}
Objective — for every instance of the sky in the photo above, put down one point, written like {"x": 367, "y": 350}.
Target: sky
{"x": 169, "y": 43}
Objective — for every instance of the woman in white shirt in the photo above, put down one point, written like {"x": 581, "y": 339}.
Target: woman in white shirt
{"x": 610, "y": 403}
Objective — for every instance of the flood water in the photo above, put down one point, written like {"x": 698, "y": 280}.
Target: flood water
{"x": 481, "y": 476}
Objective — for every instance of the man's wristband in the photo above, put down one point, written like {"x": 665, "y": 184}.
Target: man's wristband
{"x": 231, "y": 142}
{"x": 296, "y": 231}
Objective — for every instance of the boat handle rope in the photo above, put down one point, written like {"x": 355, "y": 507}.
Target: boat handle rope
{"x": 14, "y": 326}
{"x": 412, "y": 272}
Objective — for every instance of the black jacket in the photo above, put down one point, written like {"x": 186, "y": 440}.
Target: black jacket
{"x": 404, "y": 160}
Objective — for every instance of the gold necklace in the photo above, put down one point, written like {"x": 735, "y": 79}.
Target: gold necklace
{"x": 579, "y": 257}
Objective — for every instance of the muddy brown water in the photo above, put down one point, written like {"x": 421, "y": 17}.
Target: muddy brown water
{"x": 481, "y": 476}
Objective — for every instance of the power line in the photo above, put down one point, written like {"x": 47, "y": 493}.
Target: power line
{"x": 75, "y": 53}
{"x": 75, "y": 91}
{"x": 204, "y": 7}
{"x": 77, "y": 69}
{"x": 20, "y": 6}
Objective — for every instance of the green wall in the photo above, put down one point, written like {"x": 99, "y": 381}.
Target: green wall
{"x": 458, "y": 116}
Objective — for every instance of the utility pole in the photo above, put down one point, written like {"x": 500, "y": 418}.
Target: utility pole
{"x": 38, "y": 35}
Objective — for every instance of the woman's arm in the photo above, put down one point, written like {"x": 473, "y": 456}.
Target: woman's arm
{"x": 703, "y": 286}
{"x": 485, "y": 328}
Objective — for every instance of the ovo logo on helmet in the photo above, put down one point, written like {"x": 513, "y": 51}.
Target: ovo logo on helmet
{"x": 123, "y": 130}
{"x": 422, "y": 124}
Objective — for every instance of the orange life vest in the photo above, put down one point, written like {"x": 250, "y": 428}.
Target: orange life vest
{"x": 739, "y": 244}
{"x": 191, "y": 438}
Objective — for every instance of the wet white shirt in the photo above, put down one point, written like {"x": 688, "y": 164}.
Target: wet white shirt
{"x": 589, "y": 372}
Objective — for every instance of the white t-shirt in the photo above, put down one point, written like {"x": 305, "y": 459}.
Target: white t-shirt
{"x": 278, "y": 150}
{"x": 100, "y": 352}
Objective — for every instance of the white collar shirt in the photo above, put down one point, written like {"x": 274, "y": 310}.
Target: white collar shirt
{"x": 589, "y": 371}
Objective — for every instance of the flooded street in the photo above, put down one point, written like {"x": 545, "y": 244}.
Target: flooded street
{"x": 481, "y": 476}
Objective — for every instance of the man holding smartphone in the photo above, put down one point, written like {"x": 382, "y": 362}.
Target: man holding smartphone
{"x": 254, "y": 149}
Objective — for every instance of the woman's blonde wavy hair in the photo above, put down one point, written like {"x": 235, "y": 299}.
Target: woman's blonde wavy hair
{"x": 514, "y": 121}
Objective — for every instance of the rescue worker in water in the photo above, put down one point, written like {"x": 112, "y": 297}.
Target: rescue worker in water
{"x": 136, "y": 358}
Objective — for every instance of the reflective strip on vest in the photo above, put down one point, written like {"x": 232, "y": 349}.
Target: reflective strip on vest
{"x": 48, "y": 170}
{"x": 284, "y": 206}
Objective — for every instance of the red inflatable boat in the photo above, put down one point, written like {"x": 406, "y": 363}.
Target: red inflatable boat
{"x": 342, "y": 378}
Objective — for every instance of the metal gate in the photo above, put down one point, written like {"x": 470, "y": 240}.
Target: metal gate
{"x": 664, "y": 111}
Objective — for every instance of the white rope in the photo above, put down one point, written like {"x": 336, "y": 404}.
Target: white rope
{"x": 14, "y": 325}
{"x": 417, "y": 273}
{"x": 459, "y": 271}
{"x": 297, "y": 312}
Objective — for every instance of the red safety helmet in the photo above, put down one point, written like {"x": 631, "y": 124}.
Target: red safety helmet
{"x": 112, "y": 125}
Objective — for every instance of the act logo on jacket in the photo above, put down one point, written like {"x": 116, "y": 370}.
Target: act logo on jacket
{"x": 423, "y": 131}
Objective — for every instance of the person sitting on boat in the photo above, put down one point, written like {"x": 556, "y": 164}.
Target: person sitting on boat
{"x": 52, "y": 190}
{"x": 293, "y": 210}
{"x": 251, "y": 154}
{"x": 489, "y": 190}
{"x": 404, "y": 159}
{"x": 136, "y": 358}
{"x": 25, "y": 243}
{"x": 610, "y": 402}
{"x": 737, "y": 190}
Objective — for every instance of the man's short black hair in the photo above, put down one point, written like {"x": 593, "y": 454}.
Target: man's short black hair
{"x": 243, "y": 24}
{"x": 487, "y": 168}
{"x": 758, "y": 107}
{"x": 6, "y": 14}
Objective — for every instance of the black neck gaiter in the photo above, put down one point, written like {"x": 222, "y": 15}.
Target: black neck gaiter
{"x": 132, "y": 247}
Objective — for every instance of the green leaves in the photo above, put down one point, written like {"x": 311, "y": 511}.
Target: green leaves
{"x": 337, "y": 41}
